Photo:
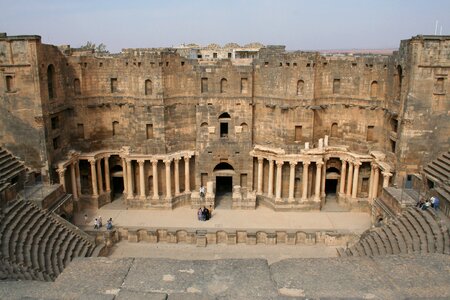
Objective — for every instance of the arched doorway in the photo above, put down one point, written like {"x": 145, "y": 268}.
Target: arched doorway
{"x": 331, "y": 182}
{"x": 224, "y": 184}
{"x": 117, "y": 181}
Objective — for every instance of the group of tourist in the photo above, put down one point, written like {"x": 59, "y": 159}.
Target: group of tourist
{"x": 432, "y": 202}
{"x": 98, "y": 223}
{"x": 204, "y": 214}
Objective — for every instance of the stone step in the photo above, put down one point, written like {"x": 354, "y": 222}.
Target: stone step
{"x": 70, "y": 248}
{"x": 97, "y": 250}
{"x": 40, "y": 221}
{"x": 444, "y": 194}
{"x": 404, "y": 240}
{"x": 9, "y": 230}
{"x": 393, "y": 242}
{"x": 50, "y": 257}
{"x": 77, "y": 250}
{"x": 378, "y": 243}
{"x": 373, "y": 245}
{"x": 62, "y": 249}
{"x": 440, "y": 169}
{"x": 445, "y": 162}
{"x": 19, "y": 235}
{"x": 43, "y": 248}
{"x": 6, "y": 161}
{"x": 11, "y": 170}
{"x": 341, "y": 252}
{"x": 418, "y": 229}
{"x": 385, "y": 240}
{"x": 446, "y": 155}
{"x": 435, "y": 176}
{"x": 366, "y": 247}
{"x": 437, "y": 233}
{"x": 11, "y": 213}
{"x": 407, "y": 229}
{"x": 35, "y": 246}
{"x": 359, "y": 250}
{"x": 425, "y": 227}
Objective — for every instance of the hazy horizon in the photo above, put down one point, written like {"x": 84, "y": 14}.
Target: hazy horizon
{"x": 299, "y": 25}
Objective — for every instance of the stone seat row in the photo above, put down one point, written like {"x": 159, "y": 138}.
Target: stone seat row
{"x": 415, "y": 231}
{"x": 34, "y": 239}
{"x": 9, "y": 165}
{"x": 439, "y": 168}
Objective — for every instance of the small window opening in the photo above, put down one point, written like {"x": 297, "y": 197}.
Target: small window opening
{"x": 300, "y": 87}
{"x": 51, "y": 81}
{"x": 56, "y": 143}
{"x": 148, "y": 87}
{"x": 115, "y": 128}
{"x": 370, "y": 133}
{"x": 204, "y": 87}
{"x": 149, "y": 131}
{"x": 298, "y": 133}
{"x": 223, "y": 85}
{"x": 439, "y": 85}
{"x": 223, "y": 130}
{"x": 393, "y": 144}
{"x": 229, "y": 55}
{"x": 214, "y": 55}
{"x": 336, "y": 86}
{"x": 9, "y": 83}
{"x": 113, "y": 85}
{"x": 334, "y": 130}
{"x": 55, "y": 122}
{"x": 374, "y": 89}
{"x": 394, "y": 125}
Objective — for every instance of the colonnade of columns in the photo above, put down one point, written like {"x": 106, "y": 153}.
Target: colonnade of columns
{"x": 348, "y": 185}
{"x": 278, "y": 182}
{"x": 128, "y": 176}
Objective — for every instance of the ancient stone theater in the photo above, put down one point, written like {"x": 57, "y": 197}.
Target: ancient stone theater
{"x": 283, "y": 129}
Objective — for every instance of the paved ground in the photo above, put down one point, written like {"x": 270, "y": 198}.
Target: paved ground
{"x": 272, "y": 253}
{"x": 261, "y": 218}
{"x": 390, "y": 277}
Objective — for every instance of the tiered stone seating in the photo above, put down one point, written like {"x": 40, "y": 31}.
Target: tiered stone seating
{"x": 415, "y": 231}
{"x": 38, "y": 245}
{"x": 10, "y": 166}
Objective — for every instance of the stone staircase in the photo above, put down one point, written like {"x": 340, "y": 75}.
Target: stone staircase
{"x": 415, "y": 231}
{"x": 438, "y": 171}
{"x": 10, "y": 167}
{"x": 37, "y": 245}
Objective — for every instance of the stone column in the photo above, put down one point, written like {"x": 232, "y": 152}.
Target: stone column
{"x": 187, "y": 188}
{"x": 93, "y": 177}
{"x": 62, "y": 179}
{"x": 260, "y": 175}
{"x": 376, "y": 173}
{"x": 292, "y": 180}
{"x": 74, "y": 181}
{"x": 168, "y": 183}
{"x": 318, "y": 180}
{"x": 278, "y": 182}
{"x": 386, "y": 176}
{"x": 124, "y": 171}
{"x": 77, "y": 173}
{"x": 371, "y": 182}
{"x": 355, "y": 180}
{"x": 305, "y": 181}
{"x": 130, "y": 189}
{"x": 155, "y": 178}
{"x": 343, "y": 173}
{"x": 141, "y": 163}
{"x": 107, "y": 179}
{"x": 270, "y": 185}
{"x": 99, "y": 175}
{"x": 177, "y": 176}
{"x": 349, "y": 178}
{"x": 324, "y": 175}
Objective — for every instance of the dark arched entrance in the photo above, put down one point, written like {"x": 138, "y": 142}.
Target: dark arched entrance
{"x": 224, "y": 184}
{"x": 117, "y": 181}
{"x": 331, "y": 182}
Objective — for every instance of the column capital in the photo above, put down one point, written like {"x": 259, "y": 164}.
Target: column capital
{"x": 375, "y": 167}
{"x": 106, "y": 156}
{"x": 187, "y": 156}
{"x": 176, "y": 158}
{"x": 306, "y": 163}
{"x": 260, "y": 159}
{"x": 129, "y": 160}
{"x": 386, "y": 174}
{"x": 167, "y": 161}
{"x": 92, "y": 161}
{"x": 343, "y": 159}
{"x": 61, "y": 171}
{"x": 154, "y": 160}
{"x": 279, "y": 163}
{"x": 357, "y": 163}
{"x": 319, "y": 163}
{"x": 141, "y": 161}
{"x": 293, "y": 163}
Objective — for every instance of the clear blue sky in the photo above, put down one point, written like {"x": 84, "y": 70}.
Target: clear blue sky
{"x": 303, "y": 25}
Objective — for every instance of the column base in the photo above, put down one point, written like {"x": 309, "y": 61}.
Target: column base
{"x": 290, "y": 200}
{"x": 278, "y": 200}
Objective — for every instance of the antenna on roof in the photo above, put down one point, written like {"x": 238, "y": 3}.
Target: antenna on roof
{"x": 436, "y": 27}
{"x": 440, "y": 32}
